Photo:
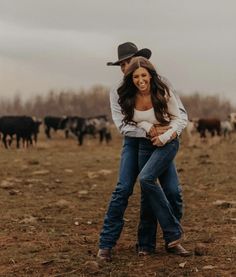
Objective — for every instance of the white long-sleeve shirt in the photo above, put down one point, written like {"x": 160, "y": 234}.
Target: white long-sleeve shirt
{"x": 146, "y": 119}
{"x": 133, "y": 130}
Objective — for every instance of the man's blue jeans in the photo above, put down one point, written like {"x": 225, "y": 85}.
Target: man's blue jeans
{"x": 159, "y": 202}
{"x": 129, "y": 170}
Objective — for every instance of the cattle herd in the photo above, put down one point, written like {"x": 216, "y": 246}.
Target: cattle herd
{"x": 25, "y": 129}
{"x": 212, "y": 126}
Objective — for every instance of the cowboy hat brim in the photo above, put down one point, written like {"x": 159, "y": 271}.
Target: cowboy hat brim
{"x": 145, "y": 52}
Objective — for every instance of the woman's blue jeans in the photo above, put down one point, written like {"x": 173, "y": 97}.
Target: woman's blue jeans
{"x": 132, "y": 161}
{"x": 153, "y": 162}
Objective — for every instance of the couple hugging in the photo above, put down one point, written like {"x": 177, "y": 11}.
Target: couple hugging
{"x": 151, "y": 117}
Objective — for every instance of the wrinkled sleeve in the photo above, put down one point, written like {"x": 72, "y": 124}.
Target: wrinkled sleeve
{"x": 145, "y": 125}
{"x": 183, "y": 114}
{"x": 177, "y": 121}
{"x": 117, "y": 116}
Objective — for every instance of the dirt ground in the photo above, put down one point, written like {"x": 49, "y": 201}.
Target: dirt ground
{"x": 53, "y": 198}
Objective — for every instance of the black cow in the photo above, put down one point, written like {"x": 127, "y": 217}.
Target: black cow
{"x": 21, "y": 126}
{"x": 35, "y": 130}
{"x": 55, "y": 123}
{"x": 208, "y": 124}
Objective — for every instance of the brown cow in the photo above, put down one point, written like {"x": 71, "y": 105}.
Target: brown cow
{"x": 208, "y": 124}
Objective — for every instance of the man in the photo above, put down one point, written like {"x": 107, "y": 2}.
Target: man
{"x": 129, "y": 170}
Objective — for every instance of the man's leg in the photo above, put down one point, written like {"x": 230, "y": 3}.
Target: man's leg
{"x": 113, "y": 222}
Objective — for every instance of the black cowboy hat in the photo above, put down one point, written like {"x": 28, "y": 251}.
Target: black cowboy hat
{"x": 128, "y": 50}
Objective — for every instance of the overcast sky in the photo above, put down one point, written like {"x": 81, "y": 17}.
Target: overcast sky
{"x": 65, "y": 44}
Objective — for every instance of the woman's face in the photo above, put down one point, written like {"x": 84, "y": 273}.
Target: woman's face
{"x": 141, "y": 79}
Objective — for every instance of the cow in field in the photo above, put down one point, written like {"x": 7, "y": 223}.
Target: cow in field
{"x": 232, "y": 119}
{"x": 212, "y": 125}
{"x": 226, "y": 128}
{"x": 101, "y": 126}
{"x": 23, "y": 127}
{"x": 55, "y": 123}
{"x": 80, "y": 127}
{"x": 35, "y": 129}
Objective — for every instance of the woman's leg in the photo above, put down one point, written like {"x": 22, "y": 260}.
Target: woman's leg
{"x": 170, "y": 184}
{"x": 154, "y": 167}
{"x": 147, "y": 228}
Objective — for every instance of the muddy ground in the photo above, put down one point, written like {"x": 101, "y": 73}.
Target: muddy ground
{"x": 53, "y": 198}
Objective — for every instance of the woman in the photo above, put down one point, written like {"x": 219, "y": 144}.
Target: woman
{"x": 145, "y": 101}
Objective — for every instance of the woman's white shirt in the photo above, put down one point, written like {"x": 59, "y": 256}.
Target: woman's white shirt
{"x": 131, "y": 130}
{"x": 146, "y": 119}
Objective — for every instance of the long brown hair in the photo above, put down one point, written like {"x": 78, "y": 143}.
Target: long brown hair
{"x": 159, "y": 92}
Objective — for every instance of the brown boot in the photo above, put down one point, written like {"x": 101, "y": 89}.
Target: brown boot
{"x": 104, "y": 254}
{"x": 179, "y": 250}
{"x": 142, "y": 253}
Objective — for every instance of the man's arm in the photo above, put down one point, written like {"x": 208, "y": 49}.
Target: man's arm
{"x": 183, "y": 114}
{"x": 117, "y": 116}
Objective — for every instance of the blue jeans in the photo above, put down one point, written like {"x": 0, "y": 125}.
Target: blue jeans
{"x": 170, "y": 184}
{"x": 129, "y": 169}
{"x": 158, "y": 201}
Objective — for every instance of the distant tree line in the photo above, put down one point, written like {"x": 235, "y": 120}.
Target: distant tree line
{"x": 198, "y": 105}
{"x": 95, "y": 101}
{"x": 85, "y": 103}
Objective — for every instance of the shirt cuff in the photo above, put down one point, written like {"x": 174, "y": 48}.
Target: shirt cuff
{"x": 145, "y": 125}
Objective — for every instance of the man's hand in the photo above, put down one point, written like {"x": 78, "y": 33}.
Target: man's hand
{"x": 161, "y": 129}
{"x": 153, "y": 132}
{"x": 158, "y": 130}
{"x": 156, "y": 141}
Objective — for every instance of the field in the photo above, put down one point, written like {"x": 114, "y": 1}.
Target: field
{"x": 53, "y": 198}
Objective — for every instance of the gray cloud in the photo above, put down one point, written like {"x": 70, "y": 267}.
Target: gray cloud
{"x": 62, "y": 44}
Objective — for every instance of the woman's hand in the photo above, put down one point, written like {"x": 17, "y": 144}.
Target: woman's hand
{"x": 156, "y": 141}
